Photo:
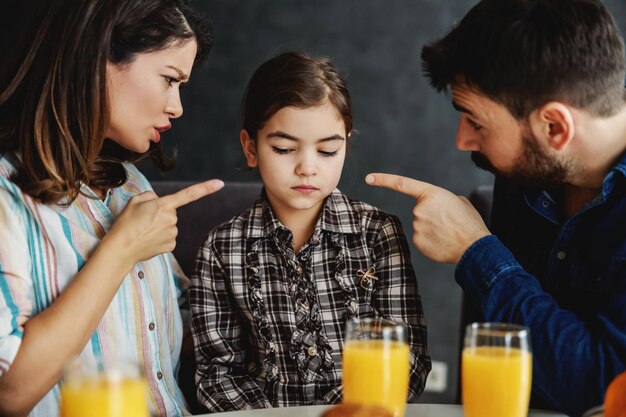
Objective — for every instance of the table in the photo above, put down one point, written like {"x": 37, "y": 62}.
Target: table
{"x": 412, "y": 410}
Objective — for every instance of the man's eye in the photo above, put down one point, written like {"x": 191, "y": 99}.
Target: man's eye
{"x": 280, "y": 151}
{"x": 474, "y": 125}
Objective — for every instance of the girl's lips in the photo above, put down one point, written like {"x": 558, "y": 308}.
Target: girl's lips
{"x": 305, "y": 189}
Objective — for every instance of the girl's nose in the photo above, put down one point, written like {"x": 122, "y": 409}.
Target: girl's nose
{"x": 306, "y": 166}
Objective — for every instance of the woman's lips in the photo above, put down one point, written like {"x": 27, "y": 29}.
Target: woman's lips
{"x": 158, "y": 130}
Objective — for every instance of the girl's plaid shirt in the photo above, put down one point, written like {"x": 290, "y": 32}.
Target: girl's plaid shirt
{"x": 268, "y": 324}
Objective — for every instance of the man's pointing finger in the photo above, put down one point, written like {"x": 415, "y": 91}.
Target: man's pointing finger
{"x": 404, "y": 185}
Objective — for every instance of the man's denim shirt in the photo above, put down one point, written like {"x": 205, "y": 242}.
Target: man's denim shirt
{"x": 564, "y": 278}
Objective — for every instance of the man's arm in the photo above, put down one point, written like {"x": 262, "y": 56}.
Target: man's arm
{"x": 574, "y": 359}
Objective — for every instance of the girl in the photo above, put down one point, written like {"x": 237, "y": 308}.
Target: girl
{"x": 84, "y": 244}
{"x": 274, "y": 286}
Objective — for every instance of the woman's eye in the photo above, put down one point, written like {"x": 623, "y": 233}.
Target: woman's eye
{"x": 328, "y": 153}
{"x": 170, "y": 80}
{"x": 281, "y": 151}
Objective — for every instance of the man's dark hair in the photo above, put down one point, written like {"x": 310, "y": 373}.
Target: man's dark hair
{"x": 525, "y": 53}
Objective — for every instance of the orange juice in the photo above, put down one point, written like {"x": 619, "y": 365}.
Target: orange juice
{"x": 100, "y": 397}
{"x": 496, "y": 381}
{"x": 376, "y": 372}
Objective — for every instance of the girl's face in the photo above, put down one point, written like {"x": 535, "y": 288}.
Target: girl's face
{"x": 145, "y": 94}
{"x": 300, "y": 154}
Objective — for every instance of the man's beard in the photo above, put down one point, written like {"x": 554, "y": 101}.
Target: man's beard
{"x": 533, "y": 169}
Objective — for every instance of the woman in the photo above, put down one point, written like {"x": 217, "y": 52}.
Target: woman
{"x": 85, "y": 264}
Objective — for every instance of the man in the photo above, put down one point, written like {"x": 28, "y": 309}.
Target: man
{"x": 540, "y": 88}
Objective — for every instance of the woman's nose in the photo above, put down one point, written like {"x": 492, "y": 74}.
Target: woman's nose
{"x": 174, "y": 107}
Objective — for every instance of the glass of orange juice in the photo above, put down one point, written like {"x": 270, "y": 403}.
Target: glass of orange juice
{"x": 376, "y": 364}
{"x": 496, "y": 370}
{"x": 103, "y": 389}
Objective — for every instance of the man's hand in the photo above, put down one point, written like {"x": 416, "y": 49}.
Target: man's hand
{"x": 445, "y": 225}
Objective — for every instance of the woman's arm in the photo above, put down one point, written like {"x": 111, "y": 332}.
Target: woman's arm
{"x": 224, "y": 383}
{"x": 145, "y": 228}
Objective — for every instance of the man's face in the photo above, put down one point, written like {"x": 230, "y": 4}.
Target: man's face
{"x": 503, "y": 145}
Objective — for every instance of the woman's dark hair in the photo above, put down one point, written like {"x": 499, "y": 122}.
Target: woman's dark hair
{"x": 54, "y": 108}
{"x": 525, "y": 53}
{"x": 293, "y": 79}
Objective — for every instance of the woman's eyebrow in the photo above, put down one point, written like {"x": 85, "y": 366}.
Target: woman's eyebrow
{"x": 181, "y": 75}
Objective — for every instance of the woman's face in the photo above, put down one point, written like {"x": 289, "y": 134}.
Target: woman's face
{"x": 145, "y": 94}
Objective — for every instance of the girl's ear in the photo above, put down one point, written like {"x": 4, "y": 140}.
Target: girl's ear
{"x": 249, "y": 148}
{"x": 556, "y": 124}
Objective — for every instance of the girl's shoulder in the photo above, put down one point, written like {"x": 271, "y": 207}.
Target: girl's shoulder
{"x": 232, "y": 232}
{"x": 363, "y": 214}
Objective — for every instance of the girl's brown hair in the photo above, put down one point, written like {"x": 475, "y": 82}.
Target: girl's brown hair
{"x": 53, "y": 97}
{"x": 293, "y": 79}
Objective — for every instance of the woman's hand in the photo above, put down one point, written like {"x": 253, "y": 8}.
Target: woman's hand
{"x": 147, "y": 225}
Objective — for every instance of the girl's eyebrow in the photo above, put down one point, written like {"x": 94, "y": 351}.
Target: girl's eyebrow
{"x": 282, "y": 135}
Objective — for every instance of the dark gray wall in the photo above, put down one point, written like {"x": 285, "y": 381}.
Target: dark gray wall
{"x": 404, "y": 126}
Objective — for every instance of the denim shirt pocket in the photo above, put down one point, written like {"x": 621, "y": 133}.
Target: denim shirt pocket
{"x": 597, "y": 275}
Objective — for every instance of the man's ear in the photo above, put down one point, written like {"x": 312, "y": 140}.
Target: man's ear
{"x": 554, "y": 121}
{"x": 249, "y": 148}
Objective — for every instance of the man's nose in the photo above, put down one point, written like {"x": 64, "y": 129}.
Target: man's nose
{"x": 466, "y": 137}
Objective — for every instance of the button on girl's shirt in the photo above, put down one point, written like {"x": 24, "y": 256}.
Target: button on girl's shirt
{"x": 140, "y": 274}
{"x": 561, "y": 256}
{"x": 151, "y": 326}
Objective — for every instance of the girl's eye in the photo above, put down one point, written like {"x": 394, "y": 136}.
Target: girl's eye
{"x": 281, "y": 151}
{"x": 474, "y": 125}
{"x": 328, "y": 153}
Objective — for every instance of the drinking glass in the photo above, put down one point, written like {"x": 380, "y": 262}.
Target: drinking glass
{"x": 115, "y": 388}
{"x": 496, "y": 370}
{"x": 376, "y": 364}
